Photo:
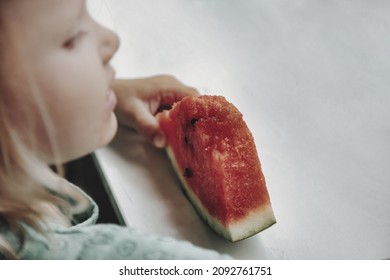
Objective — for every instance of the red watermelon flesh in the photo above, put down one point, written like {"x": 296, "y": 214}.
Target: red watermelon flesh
{"x": 215, "y": 157}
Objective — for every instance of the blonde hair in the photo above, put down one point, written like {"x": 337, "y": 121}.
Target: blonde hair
{"x": 30, "y": 192}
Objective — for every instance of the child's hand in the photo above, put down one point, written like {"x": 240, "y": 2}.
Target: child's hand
{"x": 139, "y": 100}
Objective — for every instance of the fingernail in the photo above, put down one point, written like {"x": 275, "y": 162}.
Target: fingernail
{"x": 159, "y": 140}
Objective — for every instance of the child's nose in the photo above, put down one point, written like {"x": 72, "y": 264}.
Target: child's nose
{"x": 109, "y": 45}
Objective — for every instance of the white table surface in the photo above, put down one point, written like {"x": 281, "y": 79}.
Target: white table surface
{"x": 312, "y": 79}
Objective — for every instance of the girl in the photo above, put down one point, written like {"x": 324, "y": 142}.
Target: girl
{"x": 56, "y": 104}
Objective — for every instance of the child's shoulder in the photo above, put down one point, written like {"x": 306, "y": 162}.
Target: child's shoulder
{"x": 88, "y": 240}
{"x": 109, "y": 241}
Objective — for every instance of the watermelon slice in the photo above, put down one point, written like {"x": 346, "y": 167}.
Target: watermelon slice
{"x": 215, "y": 157}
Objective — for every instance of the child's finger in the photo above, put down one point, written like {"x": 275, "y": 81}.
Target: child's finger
{"x": 146, "y": 124}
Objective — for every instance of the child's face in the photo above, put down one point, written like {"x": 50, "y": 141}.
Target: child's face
{"x": 68, "y": 55}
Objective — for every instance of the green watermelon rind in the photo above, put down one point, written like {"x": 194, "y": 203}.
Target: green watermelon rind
{"x": 253, "y": 223}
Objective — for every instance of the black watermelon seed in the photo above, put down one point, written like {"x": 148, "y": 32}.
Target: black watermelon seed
{"x": 186, "y": 140}
{"x": 187, "y": 173}
{"x": 193, "y": 122}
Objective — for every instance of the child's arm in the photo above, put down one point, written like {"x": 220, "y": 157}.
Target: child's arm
{"x": 140, "y": 99}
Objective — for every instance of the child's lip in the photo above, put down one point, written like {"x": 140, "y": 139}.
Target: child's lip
{"x": 111, "y": 100}
{"x": 111, "y": 75}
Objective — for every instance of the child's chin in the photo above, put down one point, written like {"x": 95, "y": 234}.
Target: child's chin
{"x": 111, "y": 130}
{"x": 90, "y": 144}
